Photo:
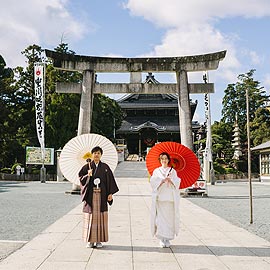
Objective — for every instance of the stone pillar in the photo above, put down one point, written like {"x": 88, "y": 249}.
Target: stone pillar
{"x": 184, "y": 109}
{"x": 86, "y": 106}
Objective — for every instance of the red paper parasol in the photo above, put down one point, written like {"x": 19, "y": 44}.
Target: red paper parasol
{"x": 183, "y": 160}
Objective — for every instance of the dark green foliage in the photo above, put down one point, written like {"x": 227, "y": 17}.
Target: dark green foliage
{"x": 107, "y": 116}
{"x": 241, "y": 165}
{"x": 221, "y": 139}
{"x": 5, "y": 170}
{"x": 218, "y": 168}
{"x": 234, "y": 101}
{"x": 260, "y": 126}
{"x": 62, "y": 110}
{"x": 13, "y": 168}
{"x": 7, "y": 104}
{"x": 230, "y": 170}
{"x": 234, "y": 108}
{"x": 17, "y": 110}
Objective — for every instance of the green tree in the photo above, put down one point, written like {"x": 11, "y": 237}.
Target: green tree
{"x": 222, "y": 139}
{"x": 234, "y": 107}
{"x": 234, "y": 101}
{"x": 107, "y": 116}
{"x": 260, "y": 126}
{"x": 6, "y": 103}
{"x": 230, "y": 104}
{"x": 23, "y": 111}
{"x": 62, "y": 110}
{"x": 19, "y": 121}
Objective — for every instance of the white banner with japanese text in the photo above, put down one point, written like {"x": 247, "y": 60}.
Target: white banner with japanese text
{"x": 39, "y": 83}
{"x": 208, "y": 147}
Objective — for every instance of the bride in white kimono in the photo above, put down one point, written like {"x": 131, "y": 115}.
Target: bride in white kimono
{"x": 165, "y": 201}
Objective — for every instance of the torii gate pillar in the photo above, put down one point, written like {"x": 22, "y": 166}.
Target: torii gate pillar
{"x": 86, "y": 105}
{"x": 184, "y": 109}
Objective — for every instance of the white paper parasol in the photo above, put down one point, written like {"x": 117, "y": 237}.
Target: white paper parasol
{"x": 78, "y": 149}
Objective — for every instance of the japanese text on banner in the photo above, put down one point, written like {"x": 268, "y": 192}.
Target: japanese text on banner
{"x": 208, "y": 152}
{"x": 39, "y": 102}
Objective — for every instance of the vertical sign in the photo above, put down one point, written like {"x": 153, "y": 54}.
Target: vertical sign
{"x": 39, "y": 83}
{"x": 208, "y": 147}
{"x": 207, "y": 162}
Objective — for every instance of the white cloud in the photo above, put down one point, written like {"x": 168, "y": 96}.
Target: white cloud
{"x": 174, "y": 13}
{"x": 191, "y": 27}
{"x": 23, "y": 23}
{"x": 266, "y": 82}
{"x": 255, "y": 58}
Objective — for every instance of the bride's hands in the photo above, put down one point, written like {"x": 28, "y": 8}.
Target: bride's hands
{"x": 167, "y": 180}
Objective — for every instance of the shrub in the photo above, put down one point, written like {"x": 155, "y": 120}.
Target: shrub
{"x": 13, "y": 168}
{"x": 230, "y": 170}
{"x": 241, "y": 165}
{"x": 5, "y": 170}
{"x": 220, "y": 160}
{"x": 218, "y": 168}
{"x": 35, "y": 171}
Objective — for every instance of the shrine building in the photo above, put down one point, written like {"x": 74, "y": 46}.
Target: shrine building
{"x": 151, "y": 118}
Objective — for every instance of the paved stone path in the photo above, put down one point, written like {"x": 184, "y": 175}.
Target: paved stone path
{"x": 206, "y": 241}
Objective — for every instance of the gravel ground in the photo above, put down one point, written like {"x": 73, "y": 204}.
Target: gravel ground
{"x": 231, "y": 202}
{"x": 27, "y": 208}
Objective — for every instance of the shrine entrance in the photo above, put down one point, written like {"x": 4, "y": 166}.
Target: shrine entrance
{"x": 90, "y": 65}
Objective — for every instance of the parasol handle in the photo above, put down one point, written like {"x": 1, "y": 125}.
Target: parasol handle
{"x": 88, "y": 160}
{"x": 89, "y": 163}
{"x": 169, "y": 171}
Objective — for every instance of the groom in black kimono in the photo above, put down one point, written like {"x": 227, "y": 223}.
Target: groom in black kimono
{"x": 96, "y": 197}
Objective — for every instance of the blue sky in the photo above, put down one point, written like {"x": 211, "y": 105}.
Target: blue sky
{"x": 138, "y": 28}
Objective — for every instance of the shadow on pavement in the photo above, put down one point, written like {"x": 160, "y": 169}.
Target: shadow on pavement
{"x": 185, "y": 249}
{"x": 5, "y": 186}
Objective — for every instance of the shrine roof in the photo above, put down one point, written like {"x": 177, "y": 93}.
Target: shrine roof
{"x": 262, "y": 146}
{"x": 150, "y": 100}
{"x": 161, "y": 124}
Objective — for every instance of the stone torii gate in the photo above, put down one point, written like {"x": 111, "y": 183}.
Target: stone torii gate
{"x": 90, "y": 65}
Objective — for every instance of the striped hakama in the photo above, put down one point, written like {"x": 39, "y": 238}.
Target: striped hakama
{"x": 95, "y": 224}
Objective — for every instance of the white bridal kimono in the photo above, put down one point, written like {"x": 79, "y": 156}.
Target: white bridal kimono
{"x": 165, "y": 204}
